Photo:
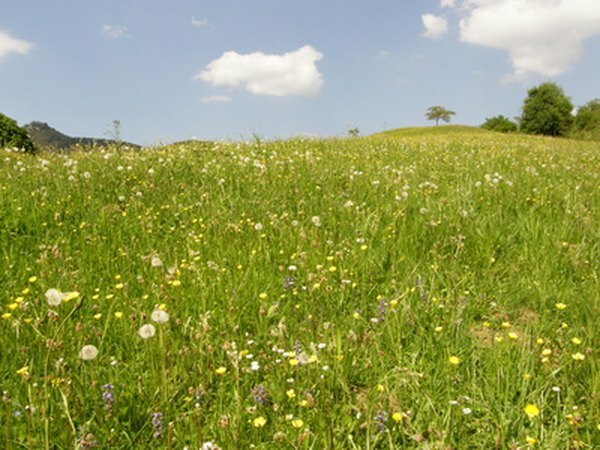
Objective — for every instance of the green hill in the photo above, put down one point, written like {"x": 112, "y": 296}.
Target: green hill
{"x": 46, "y": 137}
{"x": 432, "y": 131}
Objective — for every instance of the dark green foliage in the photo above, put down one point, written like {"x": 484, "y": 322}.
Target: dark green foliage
{"x": 438, "y": 113}
{"x": 587, "y": 121}
{"x": 13, "y": 136}
{"x": 547, "y": 110}
{"x": 501, "y": 124}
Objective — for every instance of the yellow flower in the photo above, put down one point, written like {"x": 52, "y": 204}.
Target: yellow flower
{"x": 119, "y": 286}
{"x": 576, "y": 341}
{"x": 263, "y": 295}
{"x": 297, "y": 423}
{"x": 6, "y": 315}
{"x": 454, "y": 360}
{"x": 176, "y": 283}
{"x": 531, "y": 440}
{"x": 546, "y": 352}
{"x": 293, "y": 362}
{"x": 23, "y": 371}
{"x": 13, "y": 306}
{"x": 118, "y": 315}
{"x": 32, "y": 279}
{"x": 221, "y": 370}
{"x": 290, "y": 393}
{"x": 578, "y": 356}
{"x": 560, "y": 306}
{"x": 397, "y": 417}
{"x": 438, "y": 329}
{"x": 380, "y": 388}
{"x": 532, "y": 411}
{"x": 259, "y": 422}
{"x": 513, "y": 335}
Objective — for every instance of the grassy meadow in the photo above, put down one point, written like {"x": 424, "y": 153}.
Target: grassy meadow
{"x": 407, "y": 290}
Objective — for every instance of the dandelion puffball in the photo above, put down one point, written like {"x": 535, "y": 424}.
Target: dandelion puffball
{"x": 88, "y": 352}
{"x": 159, "y": 316}
{"x": 54, "y": 297}
{"x": 147, "y": 331}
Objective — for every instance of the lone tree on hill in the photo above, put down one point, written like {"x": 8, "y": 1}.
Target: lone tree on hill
{"x": 439, "y": 112}
{"x": 12, "y": 135}
{"x": 547, "y": 110}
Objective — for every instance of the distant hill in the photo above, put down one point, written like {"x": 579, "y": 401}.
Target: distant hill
{"x": 46, "y": 137}
{"x": 432, "y": 131}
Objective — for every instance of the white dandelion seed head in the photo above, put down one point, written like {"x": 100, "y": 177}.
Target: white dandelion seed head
{"x": 316, "y": 220}
{"x": 147, "y": 331}
{"x": 258, "y": 226}
{"x": 88, "y": 352}
{"x": 160, "y": 316}
{"x": 54, "y": 297}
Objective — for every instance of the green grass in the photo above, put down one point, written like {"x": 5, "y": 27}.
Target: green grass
{"x": 347, "y": 272}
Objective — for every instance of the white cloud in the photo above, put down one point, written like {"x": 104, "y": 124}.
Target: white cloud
{"x": 114, "y": 31}
{"x": 447, "y": 3}
{"x": 199, "y": 23}
{"x": 543, "y": 37}
{"x": 435, "y": 26}
{"x": 9, "y": 44}
{"x": 293, "y": 73}
{"x": 215, "y": 99}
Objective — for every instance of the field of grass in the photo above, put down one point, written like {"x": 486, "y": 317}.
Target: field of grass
{"x": 434, "y": 290}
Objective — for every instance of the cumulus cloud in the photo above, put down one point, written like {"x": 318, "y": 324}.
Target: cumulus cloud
{"x": 447, "y": 3}
{"x": 199, "y": 23}
{"x": 10, "y": 44}
{"x": 543, "y": 37}
{"x": 114, "y": 31}
{"x": 215, "y": 99}
{"x": 292, "y": 73}
{"x": 435, "y": 26}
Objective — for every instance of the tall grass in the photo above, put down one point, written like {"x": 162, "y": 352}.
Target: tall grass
{"x": 416, "y": 292}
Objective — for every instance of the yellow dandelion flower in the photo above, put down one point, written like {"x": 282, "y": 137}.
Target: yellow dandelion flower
{"x": 531, "y": 410}
{"x": 454, "y": 360}
{"x": 32, "y": 279}
{"x": 560, "y": 306}
{"x": 297, "y": 423}
{"x": 176, "y": 283}
{"x": 546, "y": 352}
{"x": 506, "y": 325}
{"x": 119, "y": 286}
{"x": 514, "y": 336}
{"x": 531, "y": 440}
{"x": 576, "y": 341}
{"x": 290, "y": 393}
{"x": 6, "y": 315}
{"x": 259, "y": 422}
{"x": 118, "y": 315}
{"x": 438, "y": 329}
{"x": 263, "y": 295}
{"x": 23, "y": 371}
{"x": 13, "y": 306}
{"x": 397, "y": 417}
{"x": 221, "y": 370}
{"x": 380, "y": 388}
{"x": 578, "y": 356}
{"x": 293, "y": 362}
{"x": 356, "y": 315}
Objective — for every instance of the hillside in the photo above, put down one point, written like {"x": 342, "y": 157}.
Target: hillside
{"x": 432, "y": 131}
{"x": 46, "y": 137}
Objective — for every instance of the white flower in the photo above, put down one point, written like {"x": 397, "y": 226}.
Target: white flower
{"x": 54, "y": 297}
{"x": 159, "y": 316}
{"x": 466, "y": 411}
{"x": 254, "y": 365}
{"x": 156, "y": 261}
{"x": 258, "y": 226}
{"x": 88, "y": 352}
{"x": 147, "y": 331}
{"x": 316, "y": 220}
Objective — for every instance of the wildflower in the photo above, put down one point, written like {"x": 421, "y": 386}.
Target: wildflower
{"x": 578, "y": 356}
{"x": 531, "y": 440}
{"x": 380, "y": 420}
{"x": 576, "y": 341}
{"x": 147, "y": 331}
{"x": 221, "y": 370}
{"x": 263, "y": 295}
{"x": 397, "y": 417}
{"x": 208, "y": 445}
{"x": 108, "y": 397}
{"x": 259, "y": 393}
{"x": 119, "y": 286}
{"x": 23, "y": 371}
{"x": 255, "y": 366}
{"x": 32, "y": 279}
{"x": 259, "y": 422}
{"x": 454, "y": 360}
{"x": 118, "y": 315}
{"x": 290, "y": 393}
{"x": 156, "y": 262}
{"x": 297, "y": 423}
{"x": 560, "y": 306}
{"x": 293, "y": 362}
{"x": 157, "y": 425}
{"x": 159, "y": 316}
{"x": 88, "y": 352}
{"x": 176, "y": 283}
{"x": 532, "y": 411}
{"x": 316, "y": 220}
{"x": 512, "y": 335}
{"x": 54, "y": 297}
{"x": 467, "y": 411}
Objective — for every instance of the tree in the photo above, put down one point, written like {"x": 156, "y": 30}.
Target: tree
{"x": 587, "y": 121}
{"x": 501, "y": 124}
{"x": 439, "y": 112}
{"x": 547, "y": 110}
{"x": 12, "y": 135}
{"x": 353, "y": 132}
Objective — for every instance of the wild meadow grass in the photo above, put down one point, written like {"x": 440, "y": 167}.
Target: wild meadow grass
{"x": 404, "y": 292}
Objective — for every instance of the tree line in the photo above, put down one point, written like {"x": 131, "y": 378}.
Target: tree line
{"x": 548, "y": 111}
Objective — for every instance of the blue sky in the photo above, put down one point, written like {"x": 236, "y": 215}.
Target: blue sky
{"x": 213, "y": 69}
